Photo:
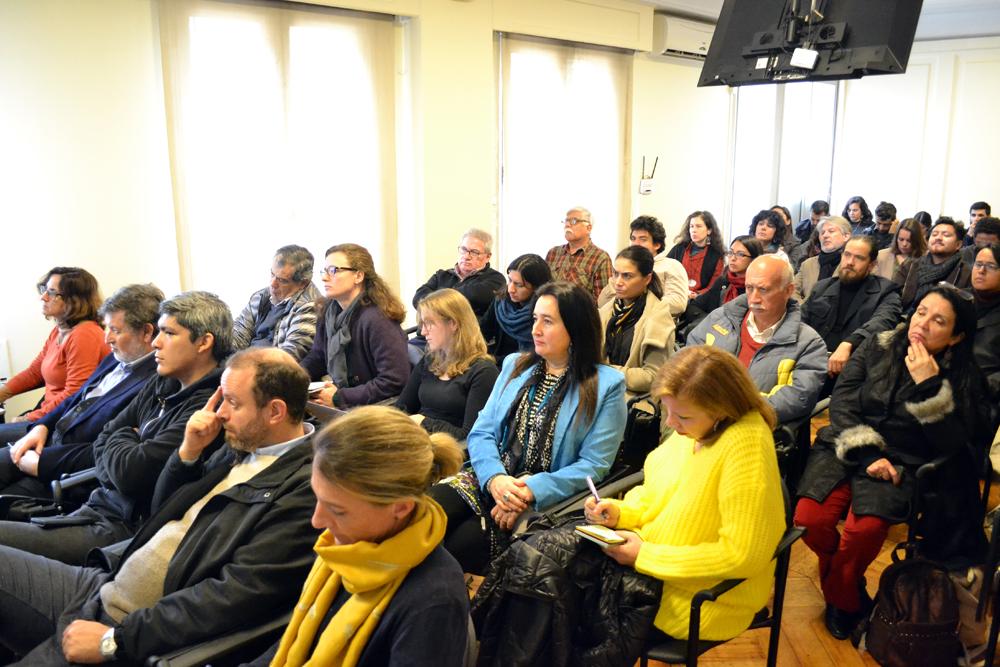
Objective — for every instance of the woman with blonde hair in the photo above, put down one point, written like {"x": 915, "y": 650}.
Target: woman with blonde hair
{"x": 711, "y": 506}
{"x": 450, "y": 385}
{"x": 383, "y": 590}
{"x": 359, "y": 342}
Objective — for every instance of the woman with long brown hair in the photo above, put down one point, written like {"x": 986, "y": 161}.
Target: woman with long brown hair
{"x": 907, "y": 243}
{"x": 359, "y": 342}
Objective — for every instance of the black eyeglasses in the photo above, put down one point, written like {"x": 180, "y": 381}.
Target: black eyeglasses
{"x": 960, "y": 293}
{"x": 334, "y": 270}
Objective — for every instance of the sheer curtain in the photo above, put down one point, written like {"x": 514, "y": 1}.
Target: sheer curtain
{"x": 563, "y": 142}
{"x": 281, "y": 130}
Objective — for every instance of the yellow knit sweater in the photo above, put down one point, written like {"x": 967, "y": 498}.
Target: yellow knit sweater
{"x": 707, "y": 516}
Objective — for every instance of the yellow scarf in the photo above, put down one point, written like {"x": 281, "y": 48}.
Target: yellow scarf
{"x": 371, "y": 573}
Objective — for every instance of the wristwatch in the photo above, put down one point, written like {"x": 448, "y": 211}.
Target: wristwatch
{"x": 108, "y": 645}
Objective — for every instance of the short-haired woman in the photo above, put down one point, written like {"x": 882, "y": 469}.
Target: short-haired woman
{"x": 700, "y": 250}
{"x": 907, "y": 243}
{"x": 506, "y": 326}
{"x": 74, "y": 348}
{"x": 770, "y": 229}
{"x": 359, "y": 342}
{"x": 383, "y": 590}
{"x": 556, "y": 416}
{"x": 710, "y": 507}
{"x": 638, "y": 328}
{"x": 905, "y": 397}
{"x": 450, "y": 385}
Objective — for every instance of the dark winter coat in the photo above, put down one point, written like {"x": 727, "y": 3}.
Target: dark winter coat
{"x": 875, "y": 308}
{"x": 555, "y": 599}
{"x": 874, "y": 414}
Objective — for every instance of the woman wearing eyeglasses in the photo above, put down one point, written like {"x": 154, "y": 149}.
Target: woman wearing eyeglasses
{"x": 904, "y": 398}
{"x": 638, "y": 328}
{"x": 74, "y": 348}
{"x": 986, "y": 287}
{"x": 732, "y": 283}
{"x": 359, "y": 342}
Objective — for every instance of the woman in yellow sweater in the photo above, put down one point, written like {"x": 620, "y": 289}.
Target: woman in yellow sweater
{"x": 711, "y": 506}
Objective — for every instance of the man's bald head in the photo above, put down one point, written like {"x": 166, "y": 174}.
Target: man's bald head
{"x": 769, "y": 287}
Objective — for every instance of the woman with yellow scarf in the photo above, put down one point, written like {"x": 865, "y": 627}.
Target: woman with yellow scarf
{"x": 383, "y": 590}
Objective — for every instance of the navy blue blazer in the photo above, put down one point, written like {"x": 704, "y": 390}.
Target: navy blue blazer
{"x": 88, "y": 424}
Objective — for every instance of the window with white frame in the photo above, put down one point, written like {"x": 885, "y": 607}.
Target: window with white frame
{"x": 281, "y": 124}
{"x": 563, "y": 117}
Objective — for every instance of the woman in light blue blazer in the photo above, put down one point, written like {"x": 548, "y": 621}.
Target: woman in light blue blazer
{"x": 555, "y": 416}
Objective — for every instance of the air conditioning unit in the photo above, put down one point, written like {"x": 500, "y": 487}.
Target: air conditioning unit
{"x": 673, "y": 36}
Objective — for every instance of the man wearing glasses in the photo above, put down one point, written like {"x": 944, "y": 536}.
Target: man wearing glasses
{"x": 283, "y": 314}
{"x": 580, "y": 261}
{"x": 471, "y": 276}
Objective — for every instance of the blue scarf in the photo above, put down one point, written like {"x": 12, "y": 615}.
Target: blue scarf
{"x": 516, "y": 320}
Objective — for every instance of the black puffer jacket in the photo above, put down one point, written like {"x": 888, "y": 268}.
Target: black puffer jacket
{"x": 556, "y": 599}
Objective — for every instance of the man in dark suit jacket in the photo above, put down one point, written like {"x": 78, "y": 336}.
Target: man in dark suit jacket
{"x": 852, "y": 305}
{"x": 60, "y": 442}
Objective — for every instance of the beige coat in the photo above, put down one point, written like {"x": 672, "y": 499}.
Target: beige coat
{"x": 652, "y": 344}
{"x": 806, "y": 278}
{"x": 885, "y": 264}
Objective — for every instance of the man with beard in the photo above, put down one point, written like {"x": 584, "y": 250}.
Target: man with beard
{"x": 763, "y": 328}
{"x": 833, "y": 234}
{"x": 283, "y": 314}
{"x": 851, "y": 306}
{"x": 943, "y": 262}
{"x": 885, "y": 224}
{"x": 227, "y": 547}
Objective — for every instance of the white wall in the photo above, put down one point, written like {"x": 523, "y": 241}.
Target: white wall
{"x": 84, "y": 175}
{"x": 923, "y": 140}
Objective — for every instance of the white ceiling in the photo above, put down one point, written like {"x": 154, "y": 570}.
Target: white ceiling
{"x": 939, "y": 19}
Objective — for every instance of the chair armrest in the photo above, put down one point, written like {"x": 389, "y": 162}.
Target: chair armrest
{"x": 411, "y": 330}
{"x": 69, "y": 480}
{"x": 932, "y": 466}
{"x": 212, "y": 649}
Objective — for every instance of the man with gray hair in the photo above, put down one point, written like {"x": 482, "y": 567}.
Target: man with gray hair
{"x": 764, "y": 329}
{"x": 195, "y": 336}
{"x": 283, "y": 314}
{"x": 61, "y": 441}
{"x": 579, "y": 261}
{"x": 834, "y": 231}
{"x": 471, "y": 276}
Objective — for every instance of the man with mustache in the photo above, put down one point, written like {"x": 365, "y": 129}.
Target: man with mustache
{"x": 283, "y": 314}
{"x": 943, "y": 262}
{"x": 851, "y": 306}
{"x": 786, "y": 357}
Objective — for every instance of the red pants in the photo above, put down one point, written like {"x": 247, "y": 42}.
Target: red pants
{"x": 843, "y": 558}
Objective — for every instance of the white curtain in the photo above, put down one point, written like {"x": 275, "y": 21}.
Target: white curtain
{"x": 281, "y": 131}
{"x": 564, "y": 142}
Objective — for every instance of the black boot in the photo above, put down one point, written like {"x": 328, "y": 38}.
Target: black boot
{"x": 840, "y": 623}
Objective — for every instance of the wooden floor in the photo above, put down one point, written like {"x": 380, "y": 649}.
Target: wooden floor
{"x": 804, "y": 639}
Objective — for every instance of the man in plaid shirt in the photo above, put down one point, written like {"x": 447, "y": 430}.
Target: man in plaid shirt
{"x": 580, "y": 261}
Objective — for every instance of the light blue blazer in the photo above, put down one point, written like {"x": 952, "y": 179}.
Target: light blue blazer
{"x": 578, "y": 449}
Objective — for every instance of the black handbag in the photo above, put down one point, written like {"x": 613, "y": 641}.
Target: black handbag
{"x": 642, "y": 432}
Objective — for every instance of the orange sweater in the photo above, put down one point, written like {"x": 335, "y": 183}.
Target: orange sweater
{"x": 62, "y": 367}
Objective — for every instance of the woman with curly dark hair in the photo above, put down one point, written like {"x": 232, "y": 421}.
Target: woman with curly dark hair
{"x": 700, "y": 250}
